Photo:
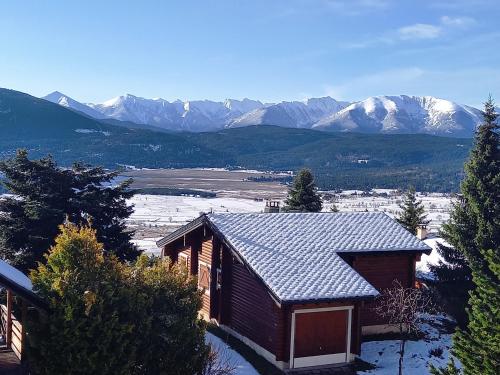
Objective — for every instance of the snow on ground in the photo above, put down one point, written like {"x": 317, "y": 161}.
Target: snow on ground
{"x": 155, "y": 216}
{"x": 433, "y": 258}
{"x": 235, "y": 359}
{"x": 384, "y": 354}
{"x": 179, "y": 210}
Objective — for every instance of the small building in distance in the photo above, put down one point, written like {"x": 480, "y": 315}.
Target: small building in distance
{"x": 298, "y": 288}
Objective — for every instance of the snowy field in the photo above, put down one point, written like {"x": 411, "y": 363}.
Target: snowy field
{"x": 418, "y": 354}
{"x": 231, "y": 357}
{"x": 157, "y": 215}
{"x": 433, "y": 348}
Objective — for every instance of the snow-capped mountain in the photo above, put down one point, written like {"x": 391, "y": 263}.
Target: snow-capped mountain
{"x": 380, "y": 114}
{"x": 297, "y": 114}
{"x": 404, "y": 114}
{"x": 65, "y": 101}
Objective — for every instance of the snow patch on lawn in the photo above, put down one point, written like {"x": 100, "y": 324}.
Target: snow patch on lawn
{"x": 235, "y": 359}
{"x": 384, "y": 354}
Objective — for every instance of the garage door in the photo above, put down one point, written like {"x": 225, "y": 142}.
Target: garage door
{"x": 320, "y": 337}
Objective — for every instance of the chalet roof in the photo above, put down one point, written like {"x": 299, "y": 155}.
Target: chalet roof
{"x": 12, "y": 278}
{"x": 296, "y": 254}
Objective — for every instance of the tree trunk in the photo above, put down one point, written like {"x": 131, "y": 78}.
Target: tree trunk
{"x": 401, "y": 355}
{"x": 401, "y": 349}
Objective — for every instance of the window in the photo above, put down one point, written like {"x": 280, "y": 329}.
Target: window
{"x": 183, "y": 260}
{"x": 219, "y": 278}
{"x": 204, "y": 277}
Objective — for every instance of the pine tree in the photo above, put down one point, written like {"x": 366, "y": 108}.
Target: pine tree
{"x": 478, "y": 346}
{"x": 45, "y": 195}
{"x": 303, "y": 196}
{"x": 413, "y": 212}
{"x": 90, "y": 327}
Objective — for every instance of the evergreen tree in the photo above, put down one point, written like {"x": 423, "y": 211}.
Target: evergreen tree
{"x": 171, "y": 329}
{"x": 46, "y": 195}
{"x": 478, "y": 346}
{"x": 303, "y": 196}
{"x": 413, "y": 212}
{"x": 107, "y": 317}
{"x": 90, "y": 327}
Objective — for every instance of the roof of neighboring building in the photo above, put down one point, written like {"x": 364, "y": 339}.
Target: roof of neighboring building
{"x": 12, "y": 278}
{"x": 296, "y": 254}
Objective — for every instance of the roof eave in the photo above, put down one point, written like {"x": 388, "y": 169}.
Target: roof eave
{"x": 24, "y": 293}
{"x": 329, "y": 300}
{"x": 185, "y": 229}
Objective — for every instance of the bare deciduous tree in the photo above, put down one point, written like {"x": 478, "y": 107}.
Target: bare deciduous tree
{"x": 219, "y": 362}
{"x": 404, "y": 308}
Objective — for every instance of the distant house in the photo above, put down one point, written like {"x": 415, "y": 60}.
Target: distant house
{"x": 296, "y": 287}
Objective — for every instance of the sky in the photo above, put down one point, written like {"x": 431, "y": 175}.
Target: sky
{"x": 271, "y": 50}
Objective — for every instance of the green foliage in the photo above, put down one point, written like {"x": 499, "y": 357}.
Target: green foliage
{"x": 477, "y": 238}
{"x": 47, "y": 195}
{"x": 450, "y": 369}
{"x": 302, "y": 196}
{"x": 172, "y": 337}
{"x": 413, "y": 212}
{"x": 90, "y": 326}
{"x": 106, "y": 317}
{"x": 429, "y": 163}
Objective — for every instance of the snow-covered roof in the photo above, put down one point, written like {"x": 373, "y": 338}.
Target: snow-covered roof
{"x": 15, "y": 276}
{"x": 20, "y": 284}
{"x": 296, "y": 254}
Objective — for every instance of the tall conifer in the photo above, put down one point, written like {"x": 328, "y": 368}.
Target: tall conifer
{"x": 303, "y": 195}
{"x": 478, "y": 346}
{"x": 413, "y": 211}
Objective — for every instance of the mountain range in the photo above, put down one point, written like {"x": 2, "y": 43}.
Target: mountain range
{"x": 400, "y": 114}
{"x": 349, "y": 160}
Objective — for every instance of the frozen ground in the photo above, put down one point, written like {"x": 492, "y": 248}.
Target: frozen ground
{"x": 384, "y": 354}
{"x": 157, "y": 215}
{"x": 242, "y": 367}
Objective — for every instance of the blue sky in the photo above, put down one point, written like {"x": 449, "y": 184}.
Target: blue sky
{"x": 271, "y": 50}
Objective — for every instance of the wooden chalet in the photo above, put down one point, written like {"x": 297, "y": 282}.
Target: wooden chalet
{"x": 16, "y": 285}
{"x": 298, "y": 288}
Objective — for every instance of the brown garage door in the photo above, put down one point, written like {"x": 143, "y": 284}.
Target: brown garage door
{"x": 320, "y": 337}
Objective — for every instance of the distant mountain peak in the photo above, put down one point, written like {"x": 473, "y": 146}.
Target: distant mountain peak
{"x": 376, "y": 114}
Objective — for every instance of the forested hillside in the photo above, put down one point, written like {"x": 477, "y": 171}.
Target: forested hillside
{"x": 339, "y": 160}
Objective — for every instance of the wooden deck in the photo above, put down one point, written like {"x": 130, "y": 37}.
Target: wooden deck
{"x": 9, "y": 363}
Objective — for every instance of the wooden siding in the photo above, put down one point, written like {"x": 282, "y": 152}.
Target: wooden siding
{"x": 285, "y": 326}
{"x": 185, "y": 257}
{"x": 253, "y": 312}
{"x": 205, "y": 254}
{"x": 381, "y": 271}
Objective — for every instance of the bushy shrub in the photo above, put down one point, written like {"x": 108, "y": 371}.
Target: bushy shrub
{"x": 106, "y": 317}
{"x": 172, "y": 337}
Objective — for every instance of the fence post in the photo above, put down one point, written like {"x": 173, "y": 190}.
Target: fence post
{"x": 8, "y": 328}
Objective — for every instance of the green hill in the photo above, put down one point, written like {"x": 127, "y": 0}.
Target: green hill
{"x": 339, "y": 160}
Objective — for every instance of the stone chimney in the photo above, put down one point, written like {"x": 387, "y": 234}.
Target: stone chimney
{"x": 272, "y": 206}
{"x": 422, "y": 231}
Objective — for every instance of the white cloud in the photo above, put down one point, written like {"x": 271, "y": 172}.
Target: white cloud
{"x": 419, "y": 31}
{"x": 463, "y": 22}
{"x": 415, "y": 32}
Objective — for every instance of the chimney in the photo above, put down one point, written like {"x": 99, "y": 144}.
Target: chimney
{"x": 272, "y": 206}
{"x": 422, "y": 231}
